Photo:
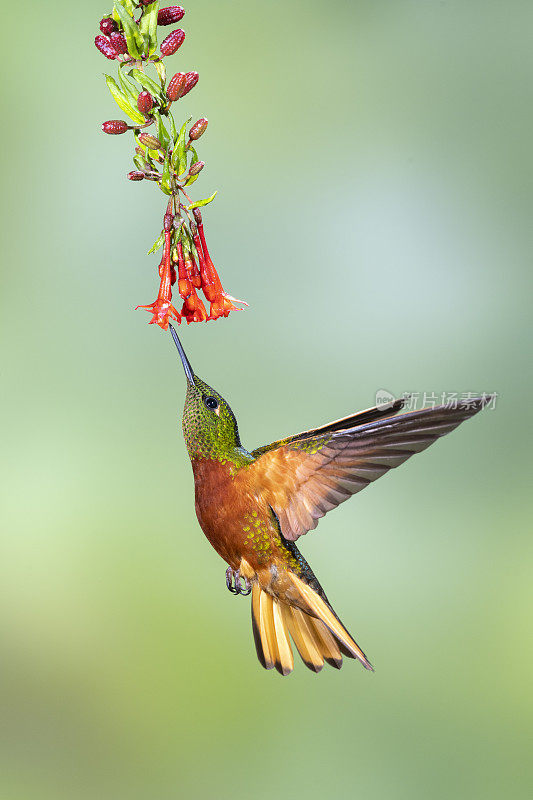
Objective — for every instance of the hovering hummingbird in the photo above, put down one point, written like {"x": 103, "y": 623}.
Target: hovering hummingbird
{"x": 253, "y": 506}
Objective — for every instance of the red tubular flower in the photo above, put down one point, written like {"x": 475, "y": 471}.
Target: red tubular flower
{"x": 193, "y": 272}
{"x": 184, "y": 284}
{"x": 211, "y": 285}
{"x": 221, "y": 302}
{"x": 193, "y": 309}
{"x": 162, "y": 309}
{"x": 199, "y": 314}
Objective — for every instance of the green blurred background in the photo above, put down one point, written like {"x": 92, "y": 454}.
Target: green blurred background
{"x": 374, "y": 162}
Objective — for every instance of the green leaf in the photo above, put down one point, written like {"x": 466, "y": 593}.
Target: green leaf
{"x": 162, "y": 133}
{"x": 161, "y": 71}
{"x": 185, "y": 242}
{"x": 139, "y": 163}
{"x": 148, "y": 26}
{"x": 157, "y": 244}
{"x": 122, "y": 101}
{"x": 127, "y": 4}
{"x": 173, "y": 131}
{"x": 147, "y": 83}
{"x": 202, "y": 203}
{"x": 194, "y": 160}
{"x": 179, "y": 156}
{"x": 165, "y": 178}
{"x": 191, "y": 180}
{"x": 133, "y": 36}
{"x": 128, "y": 88}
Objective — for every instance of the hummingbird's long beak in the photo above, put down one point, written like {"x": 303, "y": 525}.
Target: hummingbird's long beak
{"x": 184, "y": 360}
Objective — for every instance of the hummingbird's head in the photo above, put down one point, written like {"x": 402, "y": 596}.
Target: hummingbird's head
{"x": 209, "y": 424}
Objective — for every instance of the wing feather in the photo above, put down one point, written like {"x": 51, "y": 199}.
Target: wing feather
{"x": 308, "y": 475}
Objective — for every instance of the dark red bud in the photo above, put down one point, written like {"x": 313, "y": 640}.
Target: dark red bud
{"x": 198, "y": 129}
{"x": 170, "y": 15}
{"x": 107, "y": 26}
{"x": 168, "y": 221}
{"x": 118, "y": 40}
{"x": 172, "y": 43}
{"x": 145, "y": 103}
{"x": 196, "y": 168}
{"x": 115, "y": 126}
{"x": 106, "y": 48}
{"x": 176, "y": 85}
{"x": 136, "y": 175}
{"x": 190, "y": 83}
{"x": 150, "y": 141}
{"x": 197, "y": 216}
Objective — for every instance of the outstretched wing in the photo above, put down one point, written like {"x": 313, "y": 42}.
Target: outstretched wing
{"x": 346, "y": 423}
{"x": 304, "y": 478}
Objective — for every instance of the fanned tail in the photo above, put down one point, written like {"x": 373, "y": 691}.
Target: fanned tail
{"x": 318, "y": 634}
{"x": 270, "y": 632}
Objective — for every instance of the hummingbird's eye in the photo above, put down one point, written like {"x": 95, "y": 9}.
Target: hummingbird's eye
{"x": 211, "y": 402}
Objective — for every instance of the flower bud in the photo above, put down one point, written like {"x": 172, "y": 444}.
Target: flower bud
{"x": 136, "y": 175}
{"x": 145, "y": 103}
{"x": 176, "y": 85}
{"x": 172, "y": 43}
{"x": 170, "y": 15}
{"x": 191, "y": 81}
{"x": 198, "y": 129}
{"x": 150, "y": 141}
{"x": 107, "y": 26}
{"x": 105, "y": 47}
{"x": 168, "y": 221}
{"x": 197, "y": 216}
{"x": 115, "y": 126}
{"x": 196, "y": 168}
{"x": 118, "y": 40}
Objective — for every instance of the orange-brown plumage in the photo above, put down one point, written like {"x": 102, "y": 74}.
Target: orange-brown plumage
{"x": 252, "y": 506}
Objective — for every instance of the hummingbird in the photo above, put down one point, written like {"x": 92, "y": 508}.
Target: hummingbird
{"x": 254, "y": 505}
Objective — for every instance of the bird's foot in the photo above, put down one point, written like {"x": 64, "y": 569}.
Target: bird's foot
{"x": 237, "y": 583}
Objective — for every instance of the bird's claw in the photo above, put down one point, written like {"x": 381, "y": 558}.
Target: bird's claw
{"x": 237, "y": 584}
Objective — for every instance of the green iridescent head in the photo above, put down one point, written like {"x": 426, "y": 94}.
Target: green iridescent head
{"x": 209, "y": 424}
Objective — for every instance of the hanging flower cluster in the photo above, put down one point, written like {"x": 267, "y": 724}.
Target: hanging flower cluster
{"x": 168, "y": 156}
